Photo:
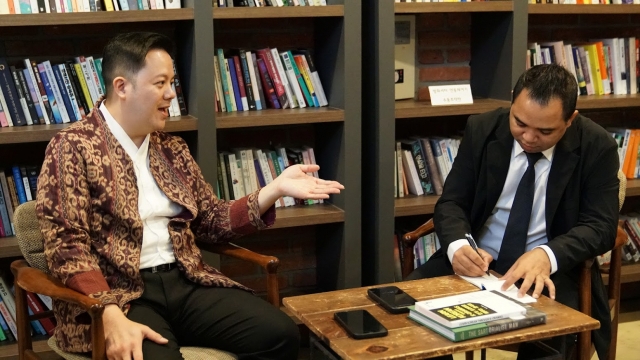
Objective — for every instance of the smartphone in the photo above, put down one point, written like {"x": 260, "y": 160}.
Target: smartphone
{"x": 392, "y": 298}
{"x": 360, "y": 324}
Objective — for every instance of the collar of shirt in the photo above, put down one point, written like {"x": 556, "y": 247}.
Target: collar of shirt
{"x": 517, "y": 150}
{"x": 135, "y": 153}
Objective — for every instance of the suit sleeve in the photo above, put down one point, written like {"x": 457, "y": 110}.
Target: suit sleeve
{"x": 219, "y": 220}
{"x": 63, "y": 208}
{"x": 595, "y": 231}
{"x": 452, "y": 211}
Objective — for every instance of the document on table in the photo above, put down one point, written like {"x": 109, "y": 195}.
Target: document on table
{"x": 491, "y": 282}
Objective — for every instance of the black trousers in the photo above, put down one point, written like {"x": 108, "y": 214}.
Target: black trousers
{"x": 438, "y": 265}
{"x": 228, "y": 319}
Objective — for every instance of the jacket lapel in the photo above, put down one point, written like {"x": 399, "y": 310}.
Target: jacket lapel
{"x": 498, "y": 158}
{"x": 562, "y": 167}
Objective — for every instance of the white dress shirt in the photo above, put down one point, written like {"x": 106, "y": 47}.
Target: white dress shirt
{"x": 153, "y": 205}
{"x": 490, "y": 237}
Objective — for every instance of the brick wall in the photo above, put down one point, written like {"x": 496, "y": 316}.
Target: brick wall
{"x": 442, "y": 50}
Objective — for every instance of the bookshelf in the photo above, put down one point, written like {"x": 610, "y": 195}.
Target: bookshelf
{"x": 499, "y": 32}
{"x": 334, "y": 131}
{"x": 498, "y": 36}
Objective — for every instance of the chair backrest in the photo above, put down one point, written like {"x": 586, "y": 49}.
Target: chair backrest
{"x": 30, "y": 239}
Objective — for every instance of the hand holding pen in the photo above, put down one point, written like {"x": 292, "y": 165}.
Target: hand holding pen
{"x": 474, "y": 246}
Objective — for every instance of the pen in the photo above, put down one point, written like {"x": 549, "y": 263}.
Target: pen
{"x": 473, "y": 244}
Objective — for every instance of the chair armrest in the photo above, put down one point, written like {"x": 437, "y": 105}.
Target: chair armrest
{"x": 269, "y": 263}
{"x": 410, "y": 238}
{"x": 34, "y": 280}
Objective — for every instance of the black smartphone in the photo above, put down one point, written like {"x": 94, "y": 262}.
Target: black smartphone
{"x": 360, "y": 324}
{"x": 392, "y": 298}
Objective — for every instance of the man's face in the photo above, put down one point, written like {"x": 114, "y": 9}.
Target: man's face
{"x": 150, "y": 94}
{"x": 535, "y": 127}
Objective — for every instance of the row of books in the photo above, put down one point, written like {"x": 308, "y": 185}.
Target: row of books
{"x": 16, "y": 187}
{"x": 67, "y": 6}
{"x": 422, "y": 251}
{"x": 36, "y": 304}
{"x": 631, "y": 249}
{"x": 628, "y": 150}
{"x": 46, "y": 93}
{"x": 266, "y": 78}
{"x": 601, "y": 67}
{"x": 422, "y": 165}
{"x": 263, "y": 3}
{"x": 244, "y": 171}
{"x": 476, "y": 314}
{"x": 586, "y": 2}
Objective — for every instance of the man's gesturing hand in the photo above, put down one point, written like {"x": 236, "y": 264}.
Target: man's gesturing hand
{"x": 468, "y": 263}
{"x": 534, "y": 267}
{"x": 124, "y": 337}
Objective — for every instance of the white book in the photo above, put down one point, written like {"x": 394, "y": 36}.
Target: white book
{"x": 16, "y": 5}
{"x": 617, "y": 67}
{"x": 632, "y": 66}
{"x": 172, "y": 4}
{"x": 469, "y": 308}
{"x": 94, "y": 76}
{"x": 46, "y": 300}
{"x": 4, "y": 7}
{"x": 232, "y": 94}
{"x": 34, "y": 7}
{"x": 254, "y": 81}
{"x": 293, "y": 81}
{"x": 124, "y": 5}
{"x": 413, "y": 181}
{"x": 241, "y": 157}
{"x": 7, "y": 298}
{"x": 159, "y": 4}
{"x": 56, "y": 92}
{"x": 22, "y": 99}
{"x": 218, "y": 83}
{"x": 236, "y": 177}
{"x": 72, "y": 96}
{"x": 266, "y": 171}
{"x": 145, "y": 5}
{"x": 253, "y": 177}
{"x": 317, "y": 84}
{"x": 293, "y": 101}
{"x": 86, "y": 7}
{"x": 6, "y": 110}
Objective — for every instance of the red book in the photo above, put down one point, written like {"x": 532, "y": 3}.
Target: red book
{"x": 36, "y": 308}
{"x": 266, "y": 56}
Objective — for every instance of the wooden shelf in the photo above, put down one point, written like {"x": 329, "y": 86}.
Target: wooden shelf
{"x": 10, "y": 350}
{"x": 630, "y": 273}
{"x": 270, "y": 117}
{"x": 100, "y": 17}
{"x": 480, "y": 6}
{"x": 556, "y": 9}
{"x": 633, "y": 187}
{"x": 413, "y": 109}
{"x": 415, "y": 205}
{"x": 278, "y": 12}
{"x": 607, "y": 101}
{"x": 9, "y": 247}
{"x": 304, "y": 215}
{"x": 34, "y": 133}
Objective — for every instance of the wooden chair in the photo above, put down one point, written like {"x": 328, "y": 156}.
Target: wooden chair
{"x": 32, "y": 274}
{"x": 585, "y": 349}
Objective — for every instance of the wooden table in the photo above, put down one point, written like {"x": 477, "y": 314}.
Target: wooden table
{"x": 409, "y": 340}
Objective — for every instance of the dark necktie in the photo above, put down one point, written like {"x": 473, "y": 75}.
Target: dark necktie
{"x": 514, "y": 241}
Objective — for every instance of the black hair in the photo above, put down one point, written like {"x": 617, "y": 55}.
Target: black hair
{"x": 546, "y": 82}
{"x": 125, "y": 54}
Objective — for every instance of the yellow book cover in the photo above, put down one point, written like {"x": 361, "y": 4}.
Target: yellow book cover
{"x": 594, "y": 63}
{"x": 83, "y": 85}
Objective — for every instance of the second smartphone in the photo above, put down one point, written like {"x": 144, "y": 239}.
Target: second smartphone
{"x": 392, "y": 298}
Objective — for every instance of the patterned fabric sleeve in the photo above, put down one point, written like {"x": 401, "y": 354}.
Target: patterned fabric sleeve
{"x": 63, "y": 207}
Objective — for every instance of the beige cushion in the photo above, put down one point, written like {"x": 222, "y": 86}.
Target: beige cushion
{"x": 30, "y": 239}
{"x": 189, "y": 353}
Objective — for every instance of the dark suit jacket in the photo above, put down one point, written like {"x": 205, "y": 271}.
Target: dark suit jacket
{"x": 581, "y": 200}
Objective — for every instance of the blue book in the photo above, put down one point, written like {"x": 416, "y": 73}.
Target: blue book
{"x": 63, "y": 91}
{"x": 11, "y": 94}
{"x": 57, "y": 118}
{"x": 17, "y": 177}
{"x": 234, "y": 81}
{"x": 35, "y": 324}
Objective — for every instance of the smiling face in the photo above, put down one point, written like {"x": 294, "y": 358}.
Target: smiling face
{"x": 537, "y": 127}
{"x": 147, "y": 95}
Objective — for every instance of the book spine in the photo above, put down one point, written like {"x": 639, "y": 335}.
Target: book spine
{"x": 53, "y": 102}
{"x": 300, "y": 62}
{"x": 11, "y": 324}
{"x": 6, "y": 119}
{"x": 270, "y": 91}
{"x": 270, "y": 66}
{"x": 225, "y": 86}
{"x": 46, "y": 323}
{"x": 53, "y": 81}
{"x": 68, "y": 88}
{"x": 47, "y": 112}
{"x": 236, "y": 84}
{"x": 83, "y": 106}
{"x": 22, "y": 197}
{"x": 21, "y": 96}
{"x": 64, "y": 96}
{"x": 179, "y": 92}
{"x": 25, "y": 182}
{"x": 241, "y": 83}
{"x": 293, "y": 101}
{"x": 7, "y": 198}
{"x": 11, "y": 94}
{"x": 500, "y": 327}
{"x": 248, "y": 81}
{"x": 4, "y": 214}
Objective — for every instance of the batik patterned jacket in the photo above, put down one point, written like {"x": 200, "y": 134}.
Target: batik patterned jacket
{"x": 87, "y": 205}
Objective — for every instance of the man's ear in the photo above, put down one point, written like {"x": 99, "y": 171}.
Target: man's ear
{"x": 120, "y": 86}
{"x": 571, "y": 118}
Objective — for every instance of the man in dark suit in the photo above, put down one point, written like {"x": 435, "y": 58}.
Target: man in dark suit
{"x": 573, "y": 204}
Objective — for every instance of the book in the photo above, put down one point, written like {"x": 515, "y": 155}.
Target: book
{"x": 531, "y": 317}
{"x": 470, "y": 308}
{"x": 491, "y": 282}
